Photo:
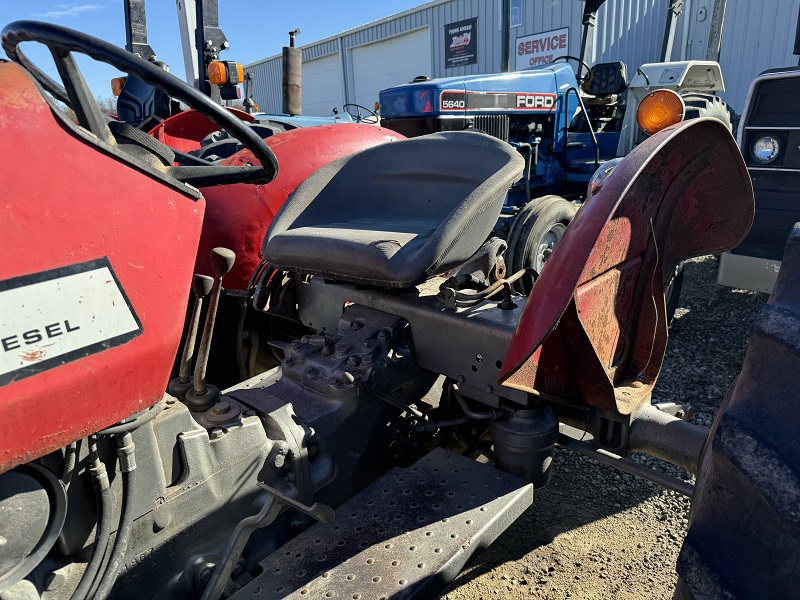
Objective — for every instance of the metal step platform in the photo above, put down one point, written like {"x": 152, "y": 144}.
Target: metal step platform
{"x": 406, "y": 535}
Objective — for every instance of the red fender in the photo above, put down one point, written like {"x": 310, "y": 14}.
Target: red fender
{"x": 594, "y": 329}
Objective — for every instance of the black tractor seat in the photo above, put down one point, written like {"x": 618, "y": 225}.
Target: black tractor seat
{"x": 606, "y": 82}
{"x": 396, "y": 214}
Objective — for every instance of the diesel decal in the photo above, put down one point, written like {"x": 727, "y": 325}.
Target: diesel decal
{"x": 52, "y": 318}
{"x": 34, "y": 336}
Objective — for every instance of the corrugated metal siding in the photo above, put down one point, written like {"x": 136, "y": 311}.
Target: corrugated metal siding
{"x": 434, "y": 15}
{"x": 626, "y": 30}
{"x": 267, "y": 79}
{"x": 489, "y": 43}
{"x": 755, "y": 37}
{"x": 544, "y": 15}
{"x": 631, "y": 31}
{"x": 320, "y": 49}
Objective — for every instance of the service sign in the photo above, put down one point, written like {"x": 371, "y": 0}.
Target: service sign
{"x": 541, "y": 48}
{"x": 461, "y": 43}
{"x": 51, "y": 318}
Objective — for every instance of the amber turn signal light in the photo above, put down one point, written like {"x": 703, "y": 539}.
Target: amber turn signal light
{"x": 116, "y": 85}
{"x": 225, "y": 73}
{"x": 658, "y": 110}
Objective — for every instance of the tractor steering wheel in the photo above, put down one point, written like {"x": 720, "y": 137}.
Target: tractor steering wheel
{"x": 76, "y": 93}
{"x": 362, "y": 114}
{"x": 585, "y": 78}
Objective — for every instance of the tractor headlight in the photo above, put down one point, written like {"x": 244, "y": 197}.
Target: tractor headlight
{"x": 600, "y": 175}
{"x": 765, "y": 149}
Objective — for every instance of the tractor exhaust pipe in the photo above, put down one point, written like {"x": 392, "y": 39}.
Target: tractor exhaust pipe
{"x": 675, "y": 9}
{"x": 292, "y": 77}
{"x": 587, "y": 42}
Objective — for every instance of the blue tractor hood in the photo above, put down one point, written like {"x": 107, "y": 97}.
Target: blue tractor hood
{"x": 534, "y": 90}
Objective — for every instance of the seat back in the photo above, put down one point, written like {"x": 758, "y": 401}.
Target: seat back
{"x": 607, "y": 79}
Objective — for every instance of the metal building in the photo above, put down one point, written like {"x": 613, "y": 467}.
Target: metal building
{"x": 460, "y": 37}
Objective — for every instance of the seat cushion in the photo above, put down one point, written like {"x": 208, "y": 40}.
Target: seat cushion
{"x": 395, "y": 214}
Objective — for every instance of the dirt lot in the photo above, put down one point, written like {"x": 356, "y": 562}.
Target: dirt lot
{"x": 596, "y": 533}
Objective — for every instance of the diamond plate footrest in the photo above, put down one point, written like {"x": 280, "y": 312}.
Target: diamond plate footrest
{"x": 409, "y": 533}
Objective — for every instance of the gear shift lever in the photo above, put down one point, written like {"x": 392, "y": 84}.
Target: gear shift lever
{"x": 201, "y": 286}
{"x": 202, "y": 397}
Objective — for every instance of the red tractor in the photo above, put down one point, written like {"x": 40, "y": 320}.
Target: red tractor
{"x": 416, "y": 398}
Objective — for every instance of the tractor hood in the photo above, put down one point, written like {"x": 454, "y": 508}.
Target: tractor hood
{"x": 535, "y": 90}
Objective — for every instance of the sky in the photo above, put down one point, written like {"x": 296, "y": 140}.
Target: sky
{"x": 256, "y": 29}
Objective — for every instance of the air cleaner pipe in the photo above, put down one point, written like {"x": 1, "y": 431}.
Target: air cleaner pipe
{"x": 667, "y": 437}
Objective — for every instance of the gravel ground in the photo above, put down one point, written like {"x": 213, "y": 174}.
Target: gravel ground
{"x": 596, "y": 533}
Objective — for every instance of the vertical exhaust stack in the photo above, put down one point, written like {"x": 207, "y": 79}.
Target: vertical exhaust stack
{"x": 675, "y": 9}
{"x": 292, "y": 77}
{"x": 590, "y": 9}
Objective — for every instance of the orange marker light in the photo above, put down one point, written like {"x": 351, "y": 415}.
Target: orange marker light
{"x": 659, "y": 110}
{"x": 217, "y": 73}
{"x": 116, "y": 85}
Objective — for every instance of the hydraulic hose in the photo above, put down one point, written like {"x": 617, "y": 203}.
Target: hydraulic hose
{"x": 431, "y": 426}
{"x": 463, "y": 299}
{"x": 70, "y": 460}
{"x": 129, "y": 426}
{"x": 478, "y": 416}
{"x": 106, "y": 511}
{"x": 126, "y": 452}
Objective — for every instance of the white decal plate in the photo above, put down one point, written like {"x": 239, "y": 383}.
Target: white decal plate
{"x": 49, "y": 319}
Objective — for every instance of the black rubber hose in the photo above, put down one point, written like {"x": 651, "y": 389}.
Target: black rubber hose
{"x": 478, "y": 416}
{"x": 105, "y": 508}
{"x": 129, "y": 426}
{"x": 492, "y": 289}
{"x": 431, "y": 426}
{"x": 70, "y": 460}
{"x": 129, "y": 482}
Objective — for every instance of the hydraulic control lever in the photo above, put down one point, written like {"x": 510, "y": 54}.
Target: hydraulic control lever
{"x": 201, "y": 396}
{"x": 201, "y": 286}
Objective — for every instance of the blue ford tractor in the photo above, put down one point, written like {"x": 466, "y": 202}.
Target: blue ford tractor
{"x": 566, "y": 126}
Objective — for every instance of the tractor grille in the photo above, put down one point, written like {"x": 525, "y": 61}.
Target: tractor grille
{"x": 494, "y": 125}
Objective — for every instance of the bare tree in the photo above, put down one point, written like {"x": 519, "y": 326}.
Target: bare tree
{"x": 107, "y": 104}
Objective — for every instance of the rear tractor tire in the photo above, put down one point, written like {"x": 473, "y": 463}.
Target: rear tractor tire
{"x": 744, "y": 531}
{"x": 672, "y": 290}
{"x": 536, "y": 231}
{"x": 707, "y": 105}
